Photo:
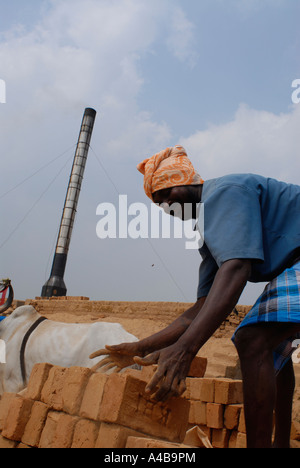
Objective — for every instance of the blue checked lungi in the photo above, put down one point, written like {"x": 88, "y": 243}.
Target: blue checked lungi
{"x": 280, "y": 302}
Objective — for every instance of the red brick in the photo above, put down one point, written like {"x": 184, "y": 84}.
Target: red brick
{"x": 85, "y": 434}
{"x": 126, "y": 403}
{"x": 198, "y": 367}
{"x": 194, "y": 386}
{"x": 113, "y": 436}
{"x": 146, "y": 373}
{"x": 35, "y": 425}
{"x": 92, "y": 399}
{"x": 197, "y": 413}
{"x": 241, "y": 441}
{"x": 242, "y": 422}
{"x": 295, "y": 431}
{"x": 38, "y": 377}
{"x": 64, "y": 431}
{"x": 232, "y": 416}
{"x": 207, "y": 392}
{"x": 49, "y": 430}
{"x": 17, "y": 418}
{"x": 220, "y": 438}
{"x": 206, "y": 430}
{"x": 142, "y": 443}
{"x": 232, "y": 440}
{"x": 6, "y": 443}
{"x": 5, "y": 401}
{"x": 75, "y": 381}
{"x": 214, "y": 415}
{"x": 228, "y": 392}
{"x": 52, "y": 390}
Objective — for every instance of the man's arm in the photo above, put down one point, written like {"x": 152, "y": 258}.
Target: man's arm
{"x": 174, "y": 362}
{"x": 120, "y": 356}
{"x": 225, "y": 292}
{"x": 173, "y": 332}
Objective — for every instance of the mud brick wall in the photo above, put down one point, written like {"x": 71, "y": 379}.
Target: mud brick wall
{"x": 164, "y": 312}
{"x": 76, "y": 408}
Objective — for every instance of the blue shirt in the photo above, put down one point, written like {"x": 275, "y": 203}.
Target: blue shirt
{"x": 248, "y": 216}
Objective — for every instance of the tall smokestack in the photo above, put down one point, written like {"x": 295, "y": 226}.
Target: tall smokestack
{"x": 55, "y": 286}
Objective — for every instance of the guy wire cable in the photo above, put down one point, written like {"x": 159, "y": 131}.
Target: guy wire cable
{"x": 35, "y": 173}
{"x": 34, "y": 205}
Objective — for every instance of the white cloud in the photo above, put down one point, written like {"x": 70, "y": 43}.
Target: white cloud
{"x": 78, "y": 54}
{"x": 181, "y": 39}
{"x": 88, "y": 54}
{"x": 254, "y": 141}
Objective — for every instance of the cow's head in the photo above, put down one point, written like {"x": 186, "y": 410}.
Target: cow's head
{"x": 6, "y": 285}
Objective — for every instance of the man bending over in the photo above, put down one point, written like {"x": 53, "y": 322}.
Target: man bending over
{"x": 251, "y": 233}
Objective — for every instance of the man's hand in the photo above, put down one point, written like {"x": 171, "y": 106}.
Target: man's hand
{"x": 173, "y": 366}
{"x": 117, "y": 357}
{"x": 121, "y": 356}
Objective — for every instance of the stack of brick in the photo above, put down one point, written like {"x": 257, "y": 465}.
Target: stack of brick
{"x": 76, "y": 408}
{"x": 217, "y": 408}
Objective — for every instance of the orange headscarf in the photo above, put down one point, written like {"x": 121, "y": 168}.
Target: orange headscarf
{"x": 169, "y": 168}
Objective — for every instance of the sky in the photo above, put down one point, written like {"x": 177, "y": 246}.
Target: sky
{"x": 212, "y": 75}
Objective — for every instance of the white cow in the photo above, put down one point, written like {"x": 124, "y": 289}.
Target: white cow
{"x": 62, "y": 344}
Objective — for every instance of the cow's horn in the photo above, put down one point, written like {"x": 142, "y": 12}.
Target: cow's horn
{"x": 8, "y": 301}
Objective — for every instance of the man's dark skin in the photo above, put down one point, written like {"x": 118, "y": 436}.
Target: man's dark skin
{"x": 174, "y": 348}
